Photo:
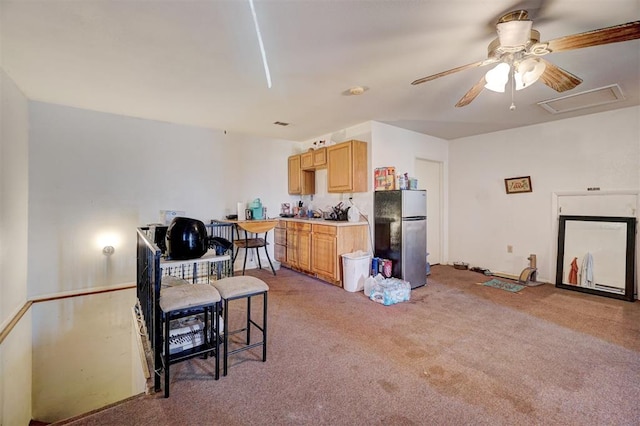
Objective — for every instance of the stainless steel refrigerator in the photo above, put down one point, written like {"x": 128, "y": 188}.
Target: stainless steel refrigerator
{"x": 401, "y": 233}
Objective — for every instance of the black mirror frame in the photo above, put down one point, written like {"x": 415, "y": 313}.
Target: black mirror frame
{"x": 629, "y": 261}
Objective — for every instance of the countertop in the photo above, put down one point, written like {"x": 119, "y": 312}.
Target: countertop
{"x": 323, "y": 221}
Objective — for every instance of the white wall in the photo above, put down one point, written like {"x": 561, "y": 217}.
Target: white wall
{"x": 599, "y": 150}
{"x": 93, "y": 173}
{"x": 15, "y": 351}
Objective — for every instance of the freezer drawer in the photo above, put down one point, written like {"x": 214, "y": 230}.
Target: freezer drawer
{"x": 414, "y": 252}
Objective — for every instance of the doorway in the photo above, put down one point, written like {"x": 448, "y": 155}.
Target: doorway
{"x": 429, "y": 175}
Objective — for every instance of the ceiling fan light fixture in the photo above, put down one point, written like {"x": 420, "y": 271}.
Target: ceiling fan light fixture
{"x": 528, "y": 72}
{"x": 514, "y": 33}
{"x": 497, "y": 77}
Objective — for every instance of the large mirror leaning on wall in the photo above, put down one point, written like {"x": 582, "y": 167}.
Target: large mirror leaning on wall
{"x": 596, "y": 255}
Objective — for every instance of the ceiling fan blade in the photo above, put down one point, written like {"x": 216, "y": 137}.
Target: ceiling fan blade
{"x": 557, "y": 78}
{"x": 614, "y": 34}
{"x": 454, "y": 70}
{"x": 472, "y": 93}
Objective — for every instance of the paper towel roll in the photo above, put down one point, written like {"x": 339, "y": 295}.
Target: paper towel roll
{"x": 241, "y": 208}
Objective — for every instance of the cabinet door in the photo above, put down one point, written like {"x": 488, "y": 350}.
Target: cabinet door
{"x": 280, "y": 252}
{"x": 299, "y": 245}
{"x": 306, "y": 161}
{"x": 280, "y": 247}
{"x": 324, "y": 255}
{"x": 295, "y": 181}
{"x": 320, "y": 158}
{"x": 347, "y": 167}
{"x": 292, "y": 247}
{"x": 301, "y": 182}
{"x": 304, "y": 250}
{"x": 339, "y": 175}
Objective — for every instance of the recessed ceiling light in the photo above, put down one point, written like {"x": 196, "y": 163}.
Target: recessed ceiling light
{"x": 355, "y": 91}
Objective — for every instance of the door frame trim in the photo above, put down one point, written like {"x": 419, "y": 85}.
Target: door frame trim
{"x": 444, "y": 254}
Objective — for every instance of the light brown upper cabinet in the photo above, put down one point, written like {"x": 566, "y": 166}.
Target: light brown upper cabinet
{"x": 306, "y": 161}
{"x": 314, "y": 159}
{"x": 320, "y": 158}
{"x": 347, "y": 167}
{"x": 301, "y": 182}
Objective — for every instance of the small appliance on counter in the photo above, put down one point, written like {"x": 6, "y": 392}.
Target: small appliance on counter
{"x": 285, "y": 210}
{"x": 256, "y": 210}
{"x": 339, "y": 213}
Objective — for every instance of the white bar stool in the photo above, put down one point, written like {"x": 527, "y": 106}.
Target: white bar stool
{"x": 178, "y": 301}
{"x": 242, "y": 287}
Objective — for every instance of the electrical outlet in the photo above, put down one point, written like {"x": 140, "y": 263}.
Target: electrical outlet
{"x": 509, "y": 249}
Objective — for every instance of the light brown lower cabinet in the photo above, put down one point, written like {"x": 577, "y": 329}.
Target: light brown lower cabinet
{"x": 299, "y": 245}
{"x": 323, "y": 249}
{"x": 280, "y": 240}
{"x": 317, "y": 248}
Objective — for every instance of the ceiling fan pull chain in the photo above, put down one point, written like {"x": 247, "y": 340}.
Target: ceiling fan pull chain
{"x": 513, "y": 90}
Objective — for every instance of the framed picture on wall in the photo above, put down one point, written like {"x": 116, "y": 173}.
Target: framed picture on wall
{"x": 518, "y": 184}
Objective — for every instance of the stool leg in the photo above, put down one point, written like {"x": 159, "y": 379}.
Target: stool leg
{"x": 206, "y": 337}
{"x": 167, "y": 356}
{"x": 215, "y": 334}
{"x": 264, "y": 327}
{"x": 225, "y": 341}
{"x": 249, "y": 320}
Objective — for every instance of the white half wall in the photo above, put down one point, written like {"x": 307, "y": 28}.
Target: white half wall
{"x": 15, "y": 351}
{"x": 600, "y": 150}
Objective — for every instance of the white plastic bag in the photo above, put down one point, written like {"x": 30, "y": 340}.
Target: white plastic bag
{"x": 370, "y": 282}
{"x": 389, "y": 291}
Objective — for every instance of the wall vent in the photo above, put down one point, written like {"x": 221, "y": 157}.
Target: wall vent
{"x": 588, "y": 99}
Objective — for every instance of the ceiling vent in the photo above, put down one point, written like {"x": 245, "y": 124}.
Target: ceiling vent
{"x": 588, "y": 99}
{"x": 280, "y": 123}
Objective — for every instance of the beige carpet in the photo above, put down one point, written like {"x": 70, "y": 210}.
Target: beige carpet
{"x": 457, "y": 353}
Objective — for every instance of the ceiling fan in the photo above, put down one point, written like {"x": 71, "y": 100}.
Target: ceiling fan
{"x": 518, "y": 52}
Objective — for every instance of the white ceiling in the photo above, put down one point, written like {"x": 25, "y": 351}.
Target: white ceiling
{"x": 198, "y": 62}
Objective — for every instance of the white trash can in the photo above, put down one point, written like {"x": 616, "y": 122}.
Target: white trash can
{"x": 355, "y": 270}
